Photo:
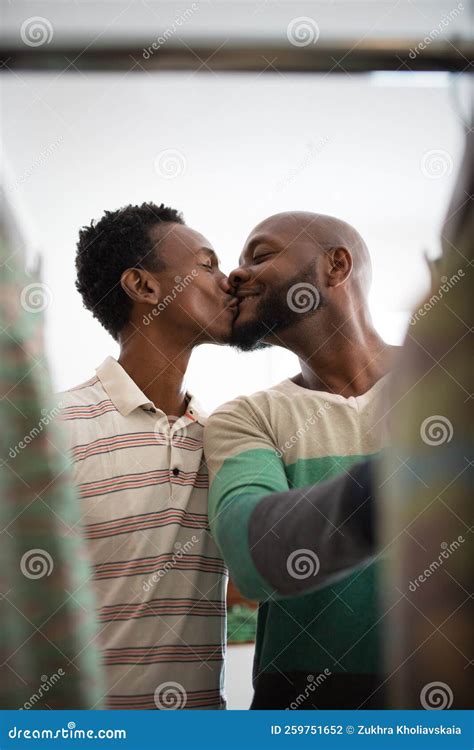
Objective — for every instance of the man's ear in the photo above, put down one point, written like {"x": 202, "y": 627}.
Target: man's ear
{"x": 141, "y": 286}
{"x": 339, "y": 268}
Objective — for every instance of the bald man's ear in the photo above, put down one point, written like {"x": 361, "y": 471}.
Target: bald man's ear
{"x": 141, "y": 286}
{"x": 339, "y": 265}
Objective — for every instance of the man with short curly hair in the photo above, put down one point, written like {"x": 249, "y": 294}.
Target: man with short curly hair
{"x": 135, "y": 436}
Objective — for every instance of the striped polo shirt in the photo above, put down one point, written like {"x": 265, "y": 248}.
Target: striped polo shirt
{"x": 160, "y": 580}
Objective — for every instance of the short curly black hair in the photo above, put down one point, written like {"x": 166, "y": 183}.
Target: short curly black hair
{"x": 106, "y": 248}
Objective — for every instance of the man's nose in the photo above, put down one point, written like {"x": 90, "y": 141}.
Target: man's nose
{"x": 238, "y": 276}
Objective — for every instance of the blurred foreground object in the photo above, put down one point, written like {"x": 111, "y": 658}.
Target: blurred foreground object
{"x": 46, "y": 620}
{"x": 426, "y": 510}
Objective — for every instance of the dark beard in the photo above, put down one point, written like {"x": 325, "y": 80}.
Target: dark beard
{"x": 279, "y": 310}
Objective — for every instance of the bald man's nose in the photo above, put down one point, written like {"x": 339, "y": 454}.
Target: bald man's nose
{"x": 239, "y": 276}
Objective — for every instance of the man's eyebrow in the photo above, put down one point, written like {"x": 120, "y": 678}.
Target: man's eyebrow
{"x": 258, "y": 240}
{"x": 210, "y": 253}
{"x": 254, "y": 242}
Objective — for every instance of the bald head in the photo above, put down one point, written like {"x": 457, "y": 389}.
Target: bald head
{"x": 326, "y": 232}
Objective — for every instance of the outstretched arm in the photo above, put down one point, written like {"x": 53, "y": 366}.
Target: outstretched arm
{"x": 243, "y": 469}
{"x": 307, "y": 538}
{"x": 260, "y": 526}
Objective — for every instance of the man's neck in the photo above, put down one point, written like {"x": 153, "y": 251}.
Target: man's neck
{"x": 159, "y": 370}
{"x": 348, "y": 363}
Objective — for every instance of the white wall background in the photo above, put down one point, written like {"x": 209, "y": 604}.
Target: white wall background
{"x": 357, "y": 147}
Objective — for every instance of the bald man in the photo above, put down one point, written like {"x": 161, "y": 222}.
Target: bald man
{"x": 302, "y": 283}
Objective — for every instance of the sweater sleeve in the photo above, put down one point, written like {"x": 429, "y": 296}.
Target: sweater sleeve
{"x": 244, "y": 467}
{"x": 307, "y": 538}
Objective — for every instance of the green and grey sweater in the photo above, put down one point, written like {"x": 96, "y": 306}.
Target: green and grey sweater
{"x": 284, "y": 438}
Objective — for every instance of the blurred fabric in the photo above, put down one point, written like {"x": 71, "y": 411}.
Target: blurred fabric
{"x": 426, "y": 511}
{"x": 46, "y": 606}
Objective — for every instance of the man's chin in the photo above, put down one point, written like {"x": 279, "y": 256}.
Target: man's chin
{"x": 248, "y": 346}
{"x": 224, "y": 338}
{"x": 248, "y": 337}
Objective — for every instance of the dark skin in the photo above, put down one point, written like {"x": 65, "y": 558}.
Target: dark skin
{"x": 338, "y": 348}
{"x": 174, "y": 310}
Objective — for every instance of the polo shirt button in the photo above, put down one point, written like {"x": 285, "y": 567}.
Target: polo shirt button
{"x": 175, "y": 471}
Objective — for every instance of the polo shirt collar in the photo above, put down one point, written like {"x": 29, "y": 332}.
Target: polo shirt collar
{"x": 121, "y": 389}
{"x": 127, "y": 396}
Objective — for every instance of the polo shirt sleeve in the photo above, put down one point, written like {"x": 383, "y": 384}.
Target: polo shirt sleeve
{"x": 244, "y": 467}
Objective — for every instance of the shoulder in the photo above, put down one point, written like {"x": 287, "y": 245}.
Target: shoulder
{"x": 254, "y": 404}
{"x": 245, "y": 422}
{"x": 78, "y": 392}
{"x": 79, "y": 409}
{"x": 85, "y": 399}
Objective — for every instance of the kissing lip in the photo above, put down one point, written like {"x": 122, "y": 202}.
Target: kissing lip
{"x": 232, "y": 306}
{"x": 243, "y": 293}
